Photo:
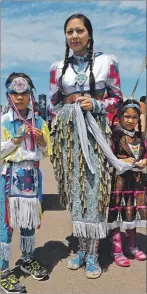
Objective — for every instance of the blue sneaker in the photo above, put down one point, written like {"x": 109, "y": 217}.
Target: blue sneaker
{"x": 77, "y": 261}
{"x": 93, "y": 269}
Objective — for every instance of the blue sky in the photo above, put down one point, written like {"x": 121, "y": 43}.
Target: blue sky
{"x": 32, "y": 38}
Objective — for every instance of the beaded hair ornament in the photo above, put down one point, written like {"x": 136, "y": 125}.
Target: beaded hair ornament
{"x": 130, "y": 105}
{"x": 20, "y": 85}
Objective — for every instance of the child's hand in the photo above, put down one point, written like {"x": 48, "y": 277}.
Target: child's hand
{"x": 24, "y": 130}
{"x": 130, "y": 160}
{"x": 38, "y": 134}
{"x": 141, "y": 164}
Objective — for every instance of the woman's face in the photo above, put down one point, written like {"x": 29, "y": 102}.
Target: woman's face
{"x": 129, "y": 119}
{"x": 77, "y": 36}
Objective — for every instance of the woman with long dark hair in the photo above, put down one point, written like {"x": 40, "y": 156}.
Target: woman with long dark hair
{"x": 80, "y": 136}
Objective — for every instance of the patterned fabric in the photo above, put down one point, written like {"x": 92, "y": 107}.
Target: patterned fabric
{"x": 24, "y": 182}
{"x": 16, "y": 153}
{"x": 23, "y": 208}
{"x": 19, "y": 85}
{"x": 86, "y": 195}
{"x": 106, "y": 74}
{"x": 128, "y": 198}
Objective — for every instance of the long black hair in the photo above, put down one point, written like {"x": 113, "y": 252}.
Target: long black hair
{"x": 89, "y": 28}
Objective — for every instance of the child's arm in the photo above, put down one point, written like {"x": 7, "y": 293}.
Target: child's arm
{"x": 39, "y": 137}
{"x": 43, "y": 139}
{"x": 56, "y": 99}
{"x": 7, "y": 147}
{"x": 8, "y": 143}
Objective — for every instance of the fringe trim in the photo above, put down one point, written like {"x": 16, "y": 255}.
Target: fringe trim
{"x": 90, "y": 230}
{"x": 27, "y": 243}
{"x": 5, "y": 251}
{"x": 57, "y": 158}
{"x": 24, "y": 212}
{"x": 127, "y": 225}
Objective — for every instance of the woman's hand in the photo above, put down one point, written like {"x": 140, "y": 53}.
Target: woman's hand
{"x": 85, "y": 102}
{"x": 129, "y": 160}
{"x": 142, "y": 163}
{"x": 38, "y": 134}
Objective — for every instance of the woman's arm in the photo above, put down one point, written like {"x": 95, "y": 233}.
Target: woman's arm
{"x": 114, "y": 96}
{"x": 55, "y": 94}
{"x": 47, "y": 150}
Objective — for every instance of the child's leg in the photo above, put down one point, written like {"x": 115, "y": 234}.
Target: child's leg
{"x": 117, "y": 254}
{"x": 27, "y": 243}
{"x": 8, "y": 281}
{"x": 5, "y": 234}
{"x": 93, "y": 269}
{"x": 5, "y": 246}
{"x": 131, "y": 238}
{"x": 30, "y": 265}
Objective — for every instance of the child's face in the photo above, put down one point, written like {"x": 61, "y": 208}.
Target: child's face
{"x": 21, "y": 101}
{"x": 129, "y": 119}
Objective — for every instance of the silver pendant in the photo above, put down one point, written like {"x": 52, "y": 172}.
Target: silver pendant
{"x": 81, "y": 78}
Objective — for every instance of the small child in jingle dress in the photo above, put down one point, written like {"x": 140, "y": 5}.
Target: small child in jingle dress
{"x": 127, "y": 209}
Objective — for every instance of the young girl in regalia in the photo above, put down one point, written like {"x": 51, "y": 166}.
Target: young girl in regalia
{"x": 128, "y": 202}
{"x": 25, "y": 140}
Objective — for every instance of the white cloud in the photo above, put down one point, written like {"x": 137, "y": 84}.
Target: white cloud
{"x": 36, "y": 40}
{"x": 140, "y": 5}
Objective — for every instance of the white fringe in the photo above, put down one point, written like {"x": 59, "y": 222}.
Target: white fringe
{"x": 5, "y": 251}
{"x": 90, "y": 230}
{"x": 127, "y": 225}
{"x": 24, "y": 212}
{"x": 27, "y": 243}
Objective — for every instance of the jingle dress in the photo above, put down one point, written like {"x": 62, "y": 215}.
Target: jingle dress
{"x": 86, "y": 194}
{"x": 128, "y": 202}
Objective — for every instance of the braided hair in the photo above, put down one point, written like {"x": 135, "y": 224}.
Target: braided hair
{"x": 65, "y": 66}
{"x": 88, "y": 26}
{"x": 16, "y": 75}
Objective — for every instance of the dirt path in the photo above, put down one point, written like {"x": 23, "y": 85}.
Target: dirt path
{"x": 52, "y": 249}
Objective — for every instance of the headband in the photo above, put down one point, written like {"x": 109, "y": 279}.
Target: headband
{"x": 19, "y": 85}
{"x": 130, "y": 105}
